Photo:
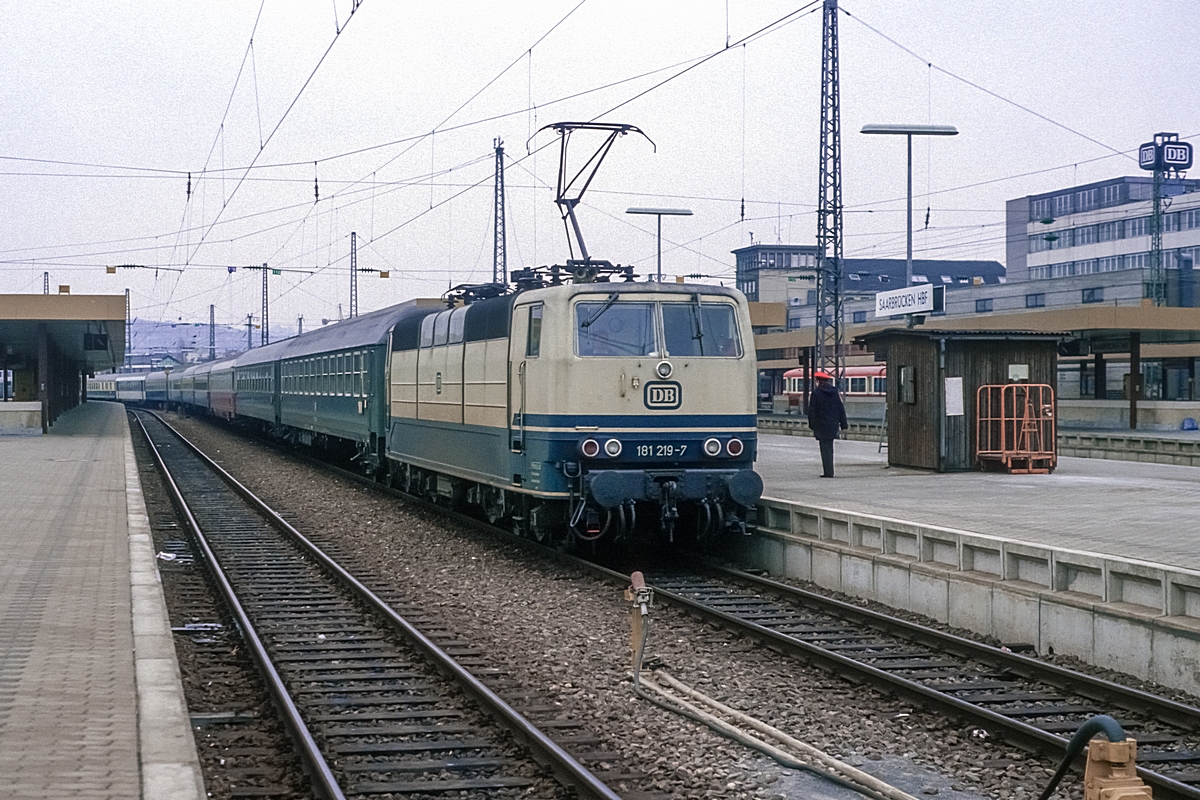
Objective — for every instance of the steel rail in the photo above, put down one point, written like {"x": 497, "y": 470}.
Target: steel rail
{"x": 569, "y": 771}
{"x": 1030, "y": 736}
{"x": 1099, "y": 689}
{"x": 314, "y": 762}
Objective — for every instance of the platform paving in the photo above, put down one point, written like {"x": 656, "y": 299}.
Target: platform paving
{"x": 1128, "y": 509}
{"x": 90, "y": 699}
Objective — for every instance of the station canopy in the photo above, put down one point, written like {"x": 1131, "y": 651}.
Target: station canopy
{"x": 85, "y": 329}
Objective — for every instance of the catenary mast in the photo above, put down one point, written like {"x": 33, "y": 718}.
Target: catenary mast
{"x": 499, "y": 255}
{"x": 829, "y": 351}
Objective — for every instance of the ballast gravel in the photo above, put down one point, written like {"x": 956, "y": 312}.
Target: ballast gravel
{"x": 565, "y": 635}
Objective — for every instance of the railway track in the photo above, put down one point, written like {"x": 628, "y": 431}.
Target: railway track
{"x": 1018, "y": 698}
{"x": 374, "y": 705}
{"x": 1022, "y": 699}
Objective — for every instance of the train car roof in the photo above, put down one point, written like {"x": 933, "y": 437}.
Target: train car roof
{"x": 361, "y": 331}
{"x": 126, "y": 377}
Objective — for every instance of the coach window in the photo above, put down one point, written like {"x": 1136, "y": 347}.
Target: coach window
{"x": 457, "y": 318}
{"x": 441, "y": 328}
{"x": 533, "y": 337}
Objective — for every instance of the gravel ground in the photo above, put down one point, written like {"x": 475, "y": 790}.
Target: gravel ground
{"x": 566, "y": 635}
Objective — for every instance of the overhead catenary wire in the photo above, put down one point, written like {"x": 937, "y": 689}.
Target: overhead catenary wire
{"x": 981, "y": 88}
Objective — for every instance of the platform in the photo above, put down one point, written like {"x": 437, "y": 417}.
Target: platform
{"x": 1118, "y": 508}
{"x": 1095, "y": 561}
{"x": 91, "y": 704}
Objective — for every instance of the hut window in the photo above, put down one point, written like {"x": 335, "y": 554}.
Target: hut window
{"x": 906, "y": 386}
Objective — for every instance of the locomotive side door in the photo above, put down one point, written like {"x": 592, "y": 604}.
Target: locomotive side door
{"x": 524, "y": 347}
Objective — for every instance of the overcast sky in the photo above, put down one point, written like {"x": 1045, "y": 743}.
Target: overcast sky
{"x": 108, "y": 106}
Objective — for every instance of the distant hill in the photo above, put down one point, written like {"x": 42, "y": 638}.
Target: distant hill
{"x": 188, "y": 341}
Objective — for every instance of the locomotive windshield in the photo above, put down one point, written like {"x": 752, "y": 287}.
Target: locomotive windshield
{"x": 706, "y": 329}
{"x": 628, "y": 329}
{"x": 623, "y": 329}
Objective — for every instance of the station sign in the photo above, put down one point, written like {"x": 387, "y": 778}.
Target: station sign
{"x": 909, "y": 300}
{"x": 1165, "y": 155}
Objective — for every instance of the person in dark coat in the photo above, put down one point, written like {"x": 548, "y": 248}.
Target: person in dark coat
{"x": 826, "y": 415}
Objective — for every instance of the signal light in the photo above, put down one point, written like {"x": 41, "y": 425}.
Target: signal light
{"x": 613, "y": 447}
{"x": 712, "y": 447}
{"x": 735, "y": 447}
{"x": 590, "y": 448}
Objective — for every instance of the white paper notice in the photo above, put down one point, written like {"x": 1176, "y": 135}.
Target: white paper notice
{"x": 954, "y": 397}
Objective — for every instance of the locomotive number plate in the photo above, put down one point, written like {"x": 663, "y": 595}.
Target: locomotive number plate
{"x": 661, "y": 450}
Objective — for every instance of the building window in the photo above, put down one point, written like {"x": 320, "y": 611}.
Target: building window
{"x": 1095, "y": 295}
{"x": 1039, "y": 209}
{"x": 811, "y": 297}
{"x": 1137, "y": 227}
{"x": 860, "y": 317}
{"x": 1085, "y": 235}
{"x": 1037, "y": 300}
{"x": 983, "y": 306}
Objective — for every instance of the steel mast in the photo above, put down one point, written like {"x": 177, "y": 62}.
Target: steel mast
{"x": 353, "y": 274}
{"x": 499, "y": 253}
{"x": 829, "y": 350}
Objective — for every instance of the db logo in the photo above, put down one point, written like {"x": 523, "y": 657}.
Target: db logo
{"x": 663, "y": 395}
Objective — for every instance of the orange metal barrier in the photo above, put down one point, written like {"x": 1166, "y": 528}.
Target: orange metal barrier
{"x": 1015, "y": 427}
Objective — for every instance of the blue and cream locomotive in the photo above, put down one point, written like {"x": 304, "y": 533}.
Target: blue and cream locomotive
{"x": 581, "y": 408}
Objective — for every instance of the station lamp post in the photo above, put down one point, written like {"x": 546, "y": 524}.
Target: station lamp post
{"x": 910, "y": 131}
{"x": 660, "y": 213}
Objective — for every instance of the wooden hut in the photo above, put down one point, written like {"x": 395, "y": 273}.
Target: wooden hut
{"x": 933, "y": 377}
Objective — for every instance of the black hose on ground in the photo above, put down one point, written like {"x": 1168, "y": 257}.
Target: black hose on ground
{"x": 1101, "y": 723}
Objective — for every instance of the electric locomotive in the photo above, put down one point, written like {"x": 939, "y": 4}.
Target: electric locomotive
{"x": 582, "y": 410}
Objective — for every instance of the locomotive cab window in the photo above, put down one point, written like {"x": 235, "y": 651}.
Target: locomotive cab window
{"x": 700, "y": 329}
{"x": 533, "y": 337}
{"x": 612, "y": 328}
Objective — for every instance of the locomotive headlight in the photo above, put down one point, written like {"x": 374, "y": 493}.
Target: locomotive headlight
{"x": 664, "y": 369}
{"x": 734, "y": 447}
{"x": 590, "y": 448}
{"x": 613, "y": 447}
{"x": 712, "y": 447}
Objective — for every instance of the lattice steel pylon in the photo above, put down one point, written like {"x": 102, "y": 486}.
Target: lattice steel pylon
{"x": 353, "y": 274}
{"x": 212, "y": 333}
{"x": 266, "y": 319}
{"x": 499, "y": 253}
{"x": 829, "y": 351}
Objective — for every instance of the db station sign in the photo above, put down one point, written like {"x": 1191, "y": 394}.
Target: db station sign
{"x": 909, "y": 300}
{"x": 1166, "y": 152}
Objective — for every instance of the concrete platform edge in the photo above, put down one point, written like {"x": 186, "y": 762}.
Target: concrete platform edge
{"x": 1078, "y": 603}
{"x": 169, "y": 763}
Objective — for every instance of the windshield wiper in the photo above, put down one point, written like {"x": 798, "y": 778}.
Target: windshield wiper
{"x": 587, "y": 323}
{"x": 699, "y": 335}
